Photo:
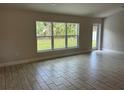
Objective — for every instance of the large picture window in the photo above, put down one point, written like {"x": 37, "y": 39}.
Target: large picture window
{"x": 56, "y": 35}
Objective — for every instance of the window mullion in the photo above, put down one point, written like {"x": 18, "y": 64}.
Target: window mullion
{"x": 66, "y": 40}
{"x": 52, "y": 36}
{"x": 78, "y": 35}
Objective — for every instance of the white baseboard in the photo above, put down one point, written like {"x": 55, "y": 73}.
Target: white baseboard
{"x": 39, "y": 58}
{"x": 113, "y": 51}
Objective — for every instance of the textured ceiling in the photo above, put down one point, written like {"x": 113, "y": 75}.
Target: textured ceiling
{"x": 80, "y": 9}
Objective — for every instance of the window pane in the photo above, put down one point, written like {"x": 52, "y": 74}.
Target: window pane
{"x": 59, "y": 35}
{"x": 72, "y": 28}
{"x": 43, "y": 28}
{"x": 43, "y": 32}
{"x": 72, "y": 41}
{"x": 43, "y": 43}
{"x": 59, "y": 42}
{"x": 58, "y": 29}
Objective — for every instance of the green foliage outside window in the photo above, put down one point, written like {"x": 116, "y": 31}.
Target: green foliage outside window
{"x": 44, "y": 35}
{"x": 44, "y": 28}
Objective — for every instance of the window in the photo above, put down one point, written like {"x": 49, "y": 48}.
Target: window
{"x": 56, "y": 35}
{"x": 59, "y": 35}
{"x": 44, "y": 33}
{"x": 72, "y": 34}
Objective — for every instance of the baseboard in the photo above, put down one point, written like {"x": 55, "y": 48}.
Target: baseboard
{"x": 113, "y": 51}
{"x": 40, "y": 58}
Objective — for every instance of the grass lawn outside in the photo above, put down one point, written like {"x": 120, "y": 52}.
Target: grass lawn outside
{"x": 45, "y": 44}
{"x": 94, "y": 44}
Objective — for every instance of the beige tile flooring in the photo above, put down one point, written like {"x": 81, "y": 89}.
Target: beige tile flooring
{"x": 98, "y": 70}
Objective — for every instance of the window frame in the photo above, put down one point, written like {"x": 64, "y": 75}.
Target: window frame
{"x": 66, "y": 37}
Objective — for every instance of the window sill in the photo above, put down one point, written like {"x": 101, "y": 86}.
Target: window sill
{"x": 59, "y": 49}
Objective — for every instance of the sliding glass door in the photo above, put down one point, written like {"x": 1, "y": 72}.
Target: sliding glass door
{"x": 95, "y": 36}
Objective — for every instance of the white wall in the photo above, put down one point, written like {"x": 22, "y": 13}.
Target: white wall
{"x": 114, "y": 32}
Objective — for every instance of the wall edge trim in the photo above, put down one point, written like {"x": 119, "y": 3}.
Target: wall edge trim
{"x": 113, "y": 51}
{"x": 10, "y": 63}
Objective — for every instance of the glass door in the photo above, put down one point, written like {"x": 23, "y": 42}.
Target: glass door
{"x": 95, "y": 35}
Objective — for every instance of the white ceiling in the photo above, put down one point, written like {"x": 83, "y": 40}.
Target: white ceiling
{"x": 80, "y": 9}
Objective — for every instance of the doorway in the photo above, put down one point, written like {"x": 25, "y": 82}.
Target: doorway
{"x": 95, "y": 36}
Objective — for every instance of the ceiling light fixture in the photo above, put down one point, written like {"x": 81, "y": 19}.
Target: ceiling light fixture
{"x": 53, "y": 4}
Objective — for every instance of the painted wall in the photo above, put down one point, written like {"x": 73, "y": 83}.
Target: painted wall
{"x": 18, "y": 39}
{"x": 114, "y": 32}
